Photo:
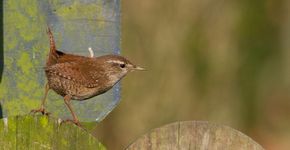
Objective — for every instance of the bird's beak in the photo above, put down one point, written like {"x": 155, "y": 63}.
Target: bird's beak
{"x": 139, "y": 68}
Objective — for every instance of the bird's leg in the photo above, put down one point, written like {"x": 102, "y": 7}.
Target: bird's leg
{"x": 42, "y": 109}
{"x": 75, "y": 120}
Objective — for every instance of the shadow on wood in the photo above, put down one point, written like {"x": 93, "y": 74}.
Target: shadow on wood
{"x": 41, "y": 132}
{"x": 194, "y": 135}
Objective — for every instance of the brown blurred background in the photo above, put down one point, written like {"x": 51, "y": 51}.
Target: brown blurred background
{"x": 226, "y": 62}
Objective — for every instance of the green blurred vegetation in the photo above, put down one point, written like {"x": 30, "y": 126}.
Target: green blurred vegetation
{"x": 222, "y": 61}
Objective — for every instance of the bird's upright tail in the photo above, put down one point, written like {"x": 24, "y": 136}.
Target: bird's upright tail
{"x": 53, "y": 55}
{"x": 56, "y": 56}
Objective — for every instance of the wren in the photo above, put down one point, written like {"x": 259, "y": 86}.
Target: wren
{"x": 79, "y": 78}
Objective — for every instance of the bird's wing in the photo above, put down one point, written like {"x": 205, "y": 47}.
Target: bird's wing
{"x": 80, "y": 72}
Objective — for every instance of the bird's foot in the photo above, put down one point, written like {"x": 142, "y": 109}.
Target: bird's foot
{"x": 40, "y": 110}
{"x": 76, "y": 122}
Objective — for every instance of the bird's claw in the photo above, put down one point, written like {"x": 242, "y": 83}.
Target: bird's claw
{"x": 71, "y": 121}
{"x": 40, "y": 110}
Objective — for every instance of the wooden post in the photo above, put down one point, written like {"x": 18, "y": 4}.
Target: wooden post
{"x": 194, "y": 135}
{"x": 41, "y": 132}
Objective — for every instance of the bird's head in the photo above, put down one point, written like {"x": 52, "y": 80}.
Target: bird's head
{"x": 117, "y": 66}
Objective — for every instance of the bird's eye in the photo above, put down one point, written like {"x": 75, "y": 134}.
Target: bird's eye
{"x": 122, "y": 65}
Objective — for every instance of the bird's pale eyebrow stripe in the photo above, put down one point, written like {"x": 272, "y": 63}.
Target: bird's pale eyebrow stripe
{"x": 115, "y": 61}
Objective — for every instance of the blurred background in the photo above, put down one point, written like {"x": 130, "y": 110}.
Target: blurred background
{"x": 227, "y": 62}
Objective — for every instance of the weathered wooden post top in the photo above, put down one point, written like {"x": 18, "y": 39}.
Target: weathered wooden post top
{"x": 194, "y": 135}
{"x": 41, "y": 132}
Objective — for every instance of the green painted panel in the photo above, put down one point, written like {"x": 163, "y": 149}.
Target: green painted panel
{"x": 41, "y": 132}
{"x": 77, "y": 25}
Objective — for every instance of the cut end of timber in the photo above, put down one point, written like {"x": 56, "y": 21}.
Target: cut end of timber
{"x": 194, "y": 135}
{"x": 41, "y": 132}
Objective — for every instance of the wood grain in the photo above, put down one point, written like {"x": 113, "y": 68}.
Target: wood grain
{"x": 194, "y": 135}
{"x": 41, "y": 132}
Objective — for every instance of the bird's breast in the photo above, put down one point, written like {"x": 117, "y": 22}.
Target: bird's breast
{"x": 76, "y": 90}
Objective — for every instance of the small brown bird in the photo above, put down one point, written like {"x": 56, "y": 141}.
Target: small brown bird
{"x": 80, "y": 78}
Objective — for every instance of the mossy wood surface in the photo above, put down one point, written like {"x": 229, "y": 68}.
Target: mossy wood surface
{"x": 77, "y": 25}
{"x": 41, "y": 132}
{"x": 192, "y": 135}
